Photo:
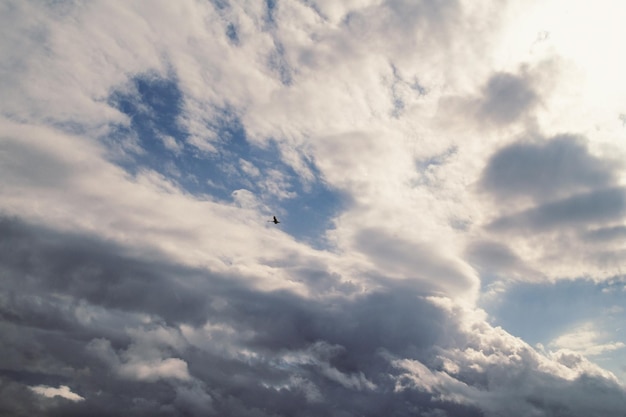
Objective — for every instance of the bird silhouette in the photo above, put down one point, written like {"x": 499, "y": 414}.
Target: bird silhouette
{"x": 275, "y": 221}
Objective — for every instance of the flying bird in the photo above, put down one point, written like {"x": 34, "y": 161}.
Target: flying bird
{"x": 275, "y": 221}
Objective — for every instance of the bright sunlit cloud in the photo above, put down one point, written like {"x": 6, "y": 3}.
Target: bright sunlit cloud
{"x": 63, "y": 391}
{"x": 586, "y": 340}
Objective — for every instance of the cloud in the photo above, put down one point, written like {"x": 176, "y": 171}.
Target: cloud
{"x": 585, "y": 340}
{"x": 605, "y": 233}
{"x": 507, "y": 97}
{"x": 585, "y": 209}
{"x": 364, "y": 126}
{"x": 415, "y": 261}
{"x": 493, "y": 255}
{"x": 143, "y": 363}
{"x": 235, "y": 350}
{"x": 499, "y": 267}
{"x": 498, "y": 380}
{"x": 63, "y": 391}
{"x": 546, "y": 169}
{"x": 547, "y": 191}
{"x": 194, "y": 399}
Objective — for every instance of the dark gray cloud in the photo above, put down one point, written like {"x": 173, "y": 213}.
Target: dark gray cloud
{"x": 605, "y": 234}
{"x": 578, "y": 211}
{"x": 554, "y": 189}
{"x": 95, "y": 271}
{"x": 507, "y": 97}
{"x": 496, "y": 258}
{"x": 138, "y": 337}
{"x": 492, "y": 253}
{"x": 546, "y": 169}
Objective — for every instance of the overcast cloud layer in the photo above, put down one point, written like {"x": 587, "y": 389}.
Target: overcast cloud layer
{"x": 450, "y": 181}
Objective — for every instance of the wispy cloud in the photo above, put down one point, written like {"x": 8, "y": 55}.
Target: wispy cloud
{"x": 586, "y": 340}
{"x": 63, "y": 391}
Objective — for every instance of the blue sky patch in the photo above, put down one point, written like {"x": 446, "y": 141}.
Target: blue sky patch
{"x": 153, "y": 105}
{"x": 540, "y": 312}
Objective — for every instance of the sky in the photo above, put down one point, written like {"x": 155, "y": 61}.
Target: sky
{"x": 449, "y": 176}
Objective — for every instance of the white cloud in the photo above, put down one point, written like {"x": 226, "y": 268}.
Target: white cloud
{"x": 276, "y": 184}
{"x": 172, "y": 144}
{"x": 587, "y": 340}
{"x": 154, "y": 370}
{"x": 335, "y": 97}
{"x": 319, "y": 355}
{"x": 419, "y": 376}
{"x": 502, "y": 374}
{"x": 62, "y": 391}
{"x": 249, "y": 168}
{"x": 77, "y": 189}
{"x": 142, "y": 361}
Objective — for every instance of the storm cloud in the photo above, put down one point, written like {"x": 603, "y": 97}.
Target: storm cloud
{"x": 216, "y": 348}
